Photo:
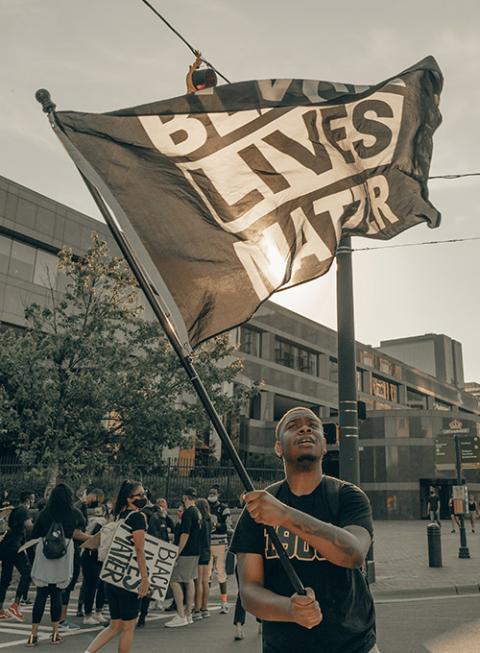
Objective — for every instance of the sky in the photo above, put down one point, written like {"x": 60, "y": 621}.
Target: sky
{"x": 101, "y": 55}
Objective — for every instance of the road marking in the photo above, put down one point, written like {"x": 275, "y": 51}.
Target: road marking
{"x": 427, "y": 598}
{"x": 20, "y": 629}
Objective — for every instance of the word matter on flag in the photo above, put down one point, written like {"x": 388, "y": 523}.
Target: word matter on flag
{"x": 233, "y": 193}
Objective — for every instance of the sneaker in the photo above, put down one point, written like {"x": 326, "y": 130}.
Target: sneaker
{"x": 90, "y": 620}
{"x": 225, "y": 608}
{"x": 66, "y": 625}
{"x": 26, "y": 602}
{"x": 190, "y": 619}
{"x": 205, "y": 614}
{"x": 197, "y": 615}
{"x": 176, "y": 622}
{"x": 80, "y": 613}
{"x": 141, "y": 622}
{"x": 15, "y": 612}
{"x": 238, "y": 633}
{"x": 102, "y": 619}
{"x": 4, "y": 615}
{"x": 171, "y": 608}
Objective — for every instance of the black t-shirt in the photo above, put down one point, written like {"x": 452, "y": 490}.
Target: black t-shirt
{"x": 70, "y": 520}
{"x": 348, "y": 624}
{"x": 433, "y": 501}
{"x": 191, "y": 524}
{"x": 135, "y": 520}
{"x": 16, "y": 525}
{"x": 205, "y": 536}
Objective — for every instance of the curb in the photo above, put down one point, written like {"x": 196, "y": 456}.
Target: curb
{"x": 414, "y": 592}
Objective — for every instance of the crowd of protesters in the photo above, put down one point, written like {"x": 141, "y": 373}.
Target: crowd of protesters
{"x": 50, "y": 543}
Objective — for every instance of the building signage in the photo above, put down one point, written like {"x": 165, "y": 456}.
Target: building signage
{"x": 445, "y": 457}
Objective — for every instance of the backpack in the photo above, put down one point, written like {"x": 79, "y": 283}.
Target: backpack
{"x": 157, "y": 526}
{"x": 54, "y": 543}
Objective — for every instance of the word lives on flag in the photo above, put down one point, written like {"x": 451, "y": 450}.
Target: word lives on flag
{"x": 120, "y": 567}
{"x": 236, "y": 192}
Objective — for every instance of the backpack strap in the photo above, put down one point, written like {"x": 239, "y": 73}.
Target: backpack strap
{"x": 332, "y": 495}
{"x": 274, "y": 488}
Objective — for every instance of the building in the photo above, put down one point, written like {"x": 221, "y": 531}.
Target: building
{"x": 412, "y": 388}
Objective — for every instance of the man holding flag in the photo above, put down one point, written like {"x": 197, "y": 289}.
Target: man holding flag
{"x": 325, "y": 526}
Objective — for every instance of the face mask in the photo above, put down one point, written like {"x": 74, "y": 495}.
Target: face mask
{"x": 213, "y": 499}
{"x": 140, "y": 502}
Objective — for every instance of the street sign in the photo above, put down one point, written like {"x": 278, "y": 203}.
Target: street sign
{"x": 445, "y": 450}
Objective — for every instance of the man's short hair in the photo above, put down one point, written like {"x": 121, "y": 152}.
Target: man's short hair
{"x": 287, "y": 415}
{"x": 190, "y": 492}
{"x": 25, "y": 495}
{"x": 216, "y": 487}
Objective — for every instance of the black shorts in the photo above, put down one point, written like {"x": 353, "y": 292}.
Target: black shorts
{"x": 123, "y": 605}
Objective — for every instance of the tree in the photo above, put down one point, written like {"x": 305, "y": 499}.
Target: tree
{"x": 90, "y": 382}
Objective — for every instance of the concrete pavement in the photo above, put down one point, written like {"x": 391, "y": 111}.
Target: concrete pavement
{"x": 401, "y": 561}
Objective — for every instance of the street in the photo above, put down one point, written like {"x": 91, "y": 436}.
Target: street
{"x": 427, "y": 625}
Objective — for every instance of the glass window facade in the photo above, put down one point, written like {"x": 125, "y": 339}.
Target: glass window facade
{"x": 5, "y": 248}
{"x": 251, "y": 340}
{"x": 45, "y": 269}
{"x": 298, "y": 358}
{"x": 22, "y": 261}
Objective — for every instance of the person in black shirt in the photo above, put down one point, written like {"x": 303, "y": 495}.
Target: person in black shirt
{"x": 59, "y": 510}
{"x": 123, "y": 604}
{"x": 202, "y": 588}
{"x": 433, "y": 506}
{"x": 326, "y": 540}
{"x": 186, "y": 566}
{"x": 18, "y": 523}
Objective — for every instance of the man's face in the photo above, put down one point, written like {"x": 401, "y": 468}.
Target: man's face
{"x": 213, "y": 496}
{"x": 301, "y": 439}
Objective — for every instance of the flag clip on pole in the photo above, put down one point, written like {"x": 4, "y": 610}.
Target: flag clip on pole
{"x": 154, "y": 299}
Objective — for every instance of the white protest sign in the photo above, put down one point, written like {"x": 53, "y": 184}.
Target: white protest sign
{"x": 120, "y": 567}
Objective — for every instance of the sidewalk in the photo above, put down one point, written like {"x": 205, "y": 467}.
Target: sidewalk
{"x": 401, "y": 561}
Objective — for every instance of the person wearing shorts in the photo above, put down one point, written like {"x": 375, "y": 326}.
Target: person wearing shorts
{"x": 202, "y": 588}
{"x": 186, "y": 567}
{"x": 123, "y": 604}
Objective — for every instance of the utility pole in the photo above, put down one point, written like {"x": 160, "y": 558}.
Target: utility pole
{"x": 347, "y": 366}
{"x": 347, "y": 377}
{"x": 463, "y": 551}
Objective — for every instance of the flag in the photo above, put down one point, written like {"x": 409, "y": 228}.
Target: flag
{"x": 236, "y": 192}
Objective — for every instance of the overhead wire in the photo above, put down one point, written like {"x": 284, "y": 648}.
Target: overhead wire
{"x": 426, "y": 242}
{"x": 182, "y": 38}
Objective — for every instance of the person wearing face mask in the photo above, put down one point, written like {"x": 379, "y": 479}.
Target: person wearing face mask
{"x": 221, "y": 529}
{"x": 124, "y": 605}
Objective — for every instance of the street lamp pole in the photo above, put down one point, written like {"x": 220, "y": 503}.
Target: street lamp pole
{"x": 347, "y": 367}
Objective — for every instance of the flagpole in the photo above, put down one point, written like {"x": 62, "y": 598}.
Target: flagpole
{"x": 48, "y": 106}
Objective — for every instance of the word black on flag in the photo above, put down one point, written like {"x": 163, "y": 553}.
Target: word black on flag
{"x": 236, "y": 192}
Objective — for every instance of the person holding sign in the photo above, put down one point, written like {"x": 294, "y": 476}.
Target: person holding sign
{"x": 124, "y": 605}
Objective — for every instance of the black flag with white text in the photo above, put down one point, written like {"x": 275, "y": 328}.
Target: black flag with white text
{"x": 235, "y": 192}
